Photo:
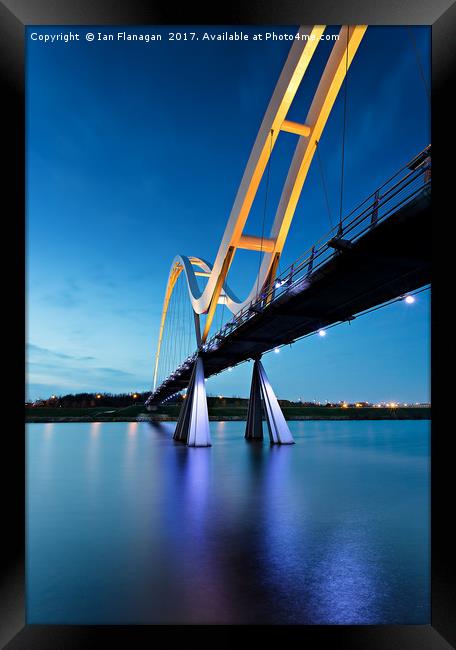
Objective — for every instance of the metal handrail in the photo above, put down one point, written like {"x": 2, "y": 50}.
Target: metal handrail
{"x": 350, "y": 229}
{"x": 293, "y": 272}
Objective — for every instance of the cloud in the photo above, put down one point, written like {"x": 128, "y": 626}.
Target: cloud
{"x": 88, "y": 373}
{"x": 52, "y": 371}
{"x": 113, "y": 372}
{"x": 62, "y": 299}
{"x": 132, "y": 313}
{"x": 65, "y": 298}
{"x": 36, "y": 349}
{"x": 98, "y": 276}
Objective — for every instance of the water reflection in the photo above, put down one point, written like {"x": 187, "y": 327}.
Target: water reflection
{"x": 95, "y": 429}
{"x": 345, "y": 586}
{"x": 93, "y": 446}
{"x": 146, "y": 530}
{"x": 42, "y": 452}
{"x": 132, "y": 429}
{"x": 48, "y": 430}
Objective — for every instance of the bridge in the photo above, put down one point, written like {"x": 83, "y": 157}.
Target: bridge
{"x": 377, "y": 253}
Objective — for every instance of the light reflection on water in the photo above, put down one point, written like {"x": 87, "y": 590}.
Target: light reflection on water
{"x": 127, "y": 526}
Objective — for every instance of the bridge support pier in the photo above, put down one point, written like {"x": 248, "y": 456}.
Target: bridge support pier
{"x": 261, "y": 389}
{"x": 193, "y": 424}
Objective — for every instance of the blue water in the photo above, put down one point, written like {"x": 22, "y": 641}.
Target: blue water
{"x": 126, "y": 526}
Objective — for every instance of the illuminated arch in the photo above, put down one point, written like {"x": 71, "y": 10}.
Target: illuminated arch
{"x": 274, "y": 121}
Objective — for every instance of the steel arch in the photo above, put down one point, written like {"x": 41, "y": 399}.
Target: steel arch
{"x": 274, "y": 121}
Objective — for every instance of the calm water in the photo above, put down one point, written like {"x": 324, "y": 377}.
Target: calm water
{"x": 127, "y": 526}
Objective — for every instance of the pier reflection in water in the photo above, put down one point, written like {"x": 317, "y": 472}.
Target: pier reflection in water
{"x": 127, "y": 526}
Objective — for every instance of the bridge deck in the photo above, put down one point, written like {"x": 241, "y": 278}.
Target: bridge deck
{"x": 389, "y": 259}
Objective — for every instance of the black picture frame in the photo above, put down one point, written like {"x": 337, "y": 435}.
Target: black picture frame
{"x": 15, "y": 15}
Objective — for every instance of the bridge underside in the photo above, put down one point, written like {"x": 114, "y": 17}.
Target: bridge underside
{"x": 389, "y": 260}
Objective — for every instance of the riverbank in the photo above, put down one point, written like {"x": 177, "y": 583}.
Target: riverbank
{"x": 226, "y": 413}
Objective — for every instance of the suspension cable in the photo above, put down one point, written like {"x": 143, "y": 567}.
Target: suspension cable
{"x": 164, "y": 350}
{"x": 268, "y": 171}
{"x": 179, "y": 324}
{"x": 169, "y": 317}
{"x": 173, "y": 330}
{"x": 344, "y": 130}
{"x": 323, "y": 182}
{"x": 418, "y": 60}
{"x": 190, "y": 323}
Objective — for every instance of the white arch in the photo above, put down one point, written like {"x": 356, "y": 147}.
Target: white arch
{"x": 274, "y": 121}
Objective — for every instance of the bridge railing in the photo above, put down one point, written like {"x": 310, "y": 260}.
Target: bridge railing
{"x": 401, "y": 188}
{"x": 398, "y": 190}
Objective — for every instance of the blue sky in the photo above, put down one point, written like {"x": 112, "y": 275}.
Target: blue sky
{"x": 135, "y": 152}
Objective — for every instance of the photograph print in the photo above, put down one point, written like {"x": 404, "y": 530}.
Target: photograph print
{"x": 228, "y": 325}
